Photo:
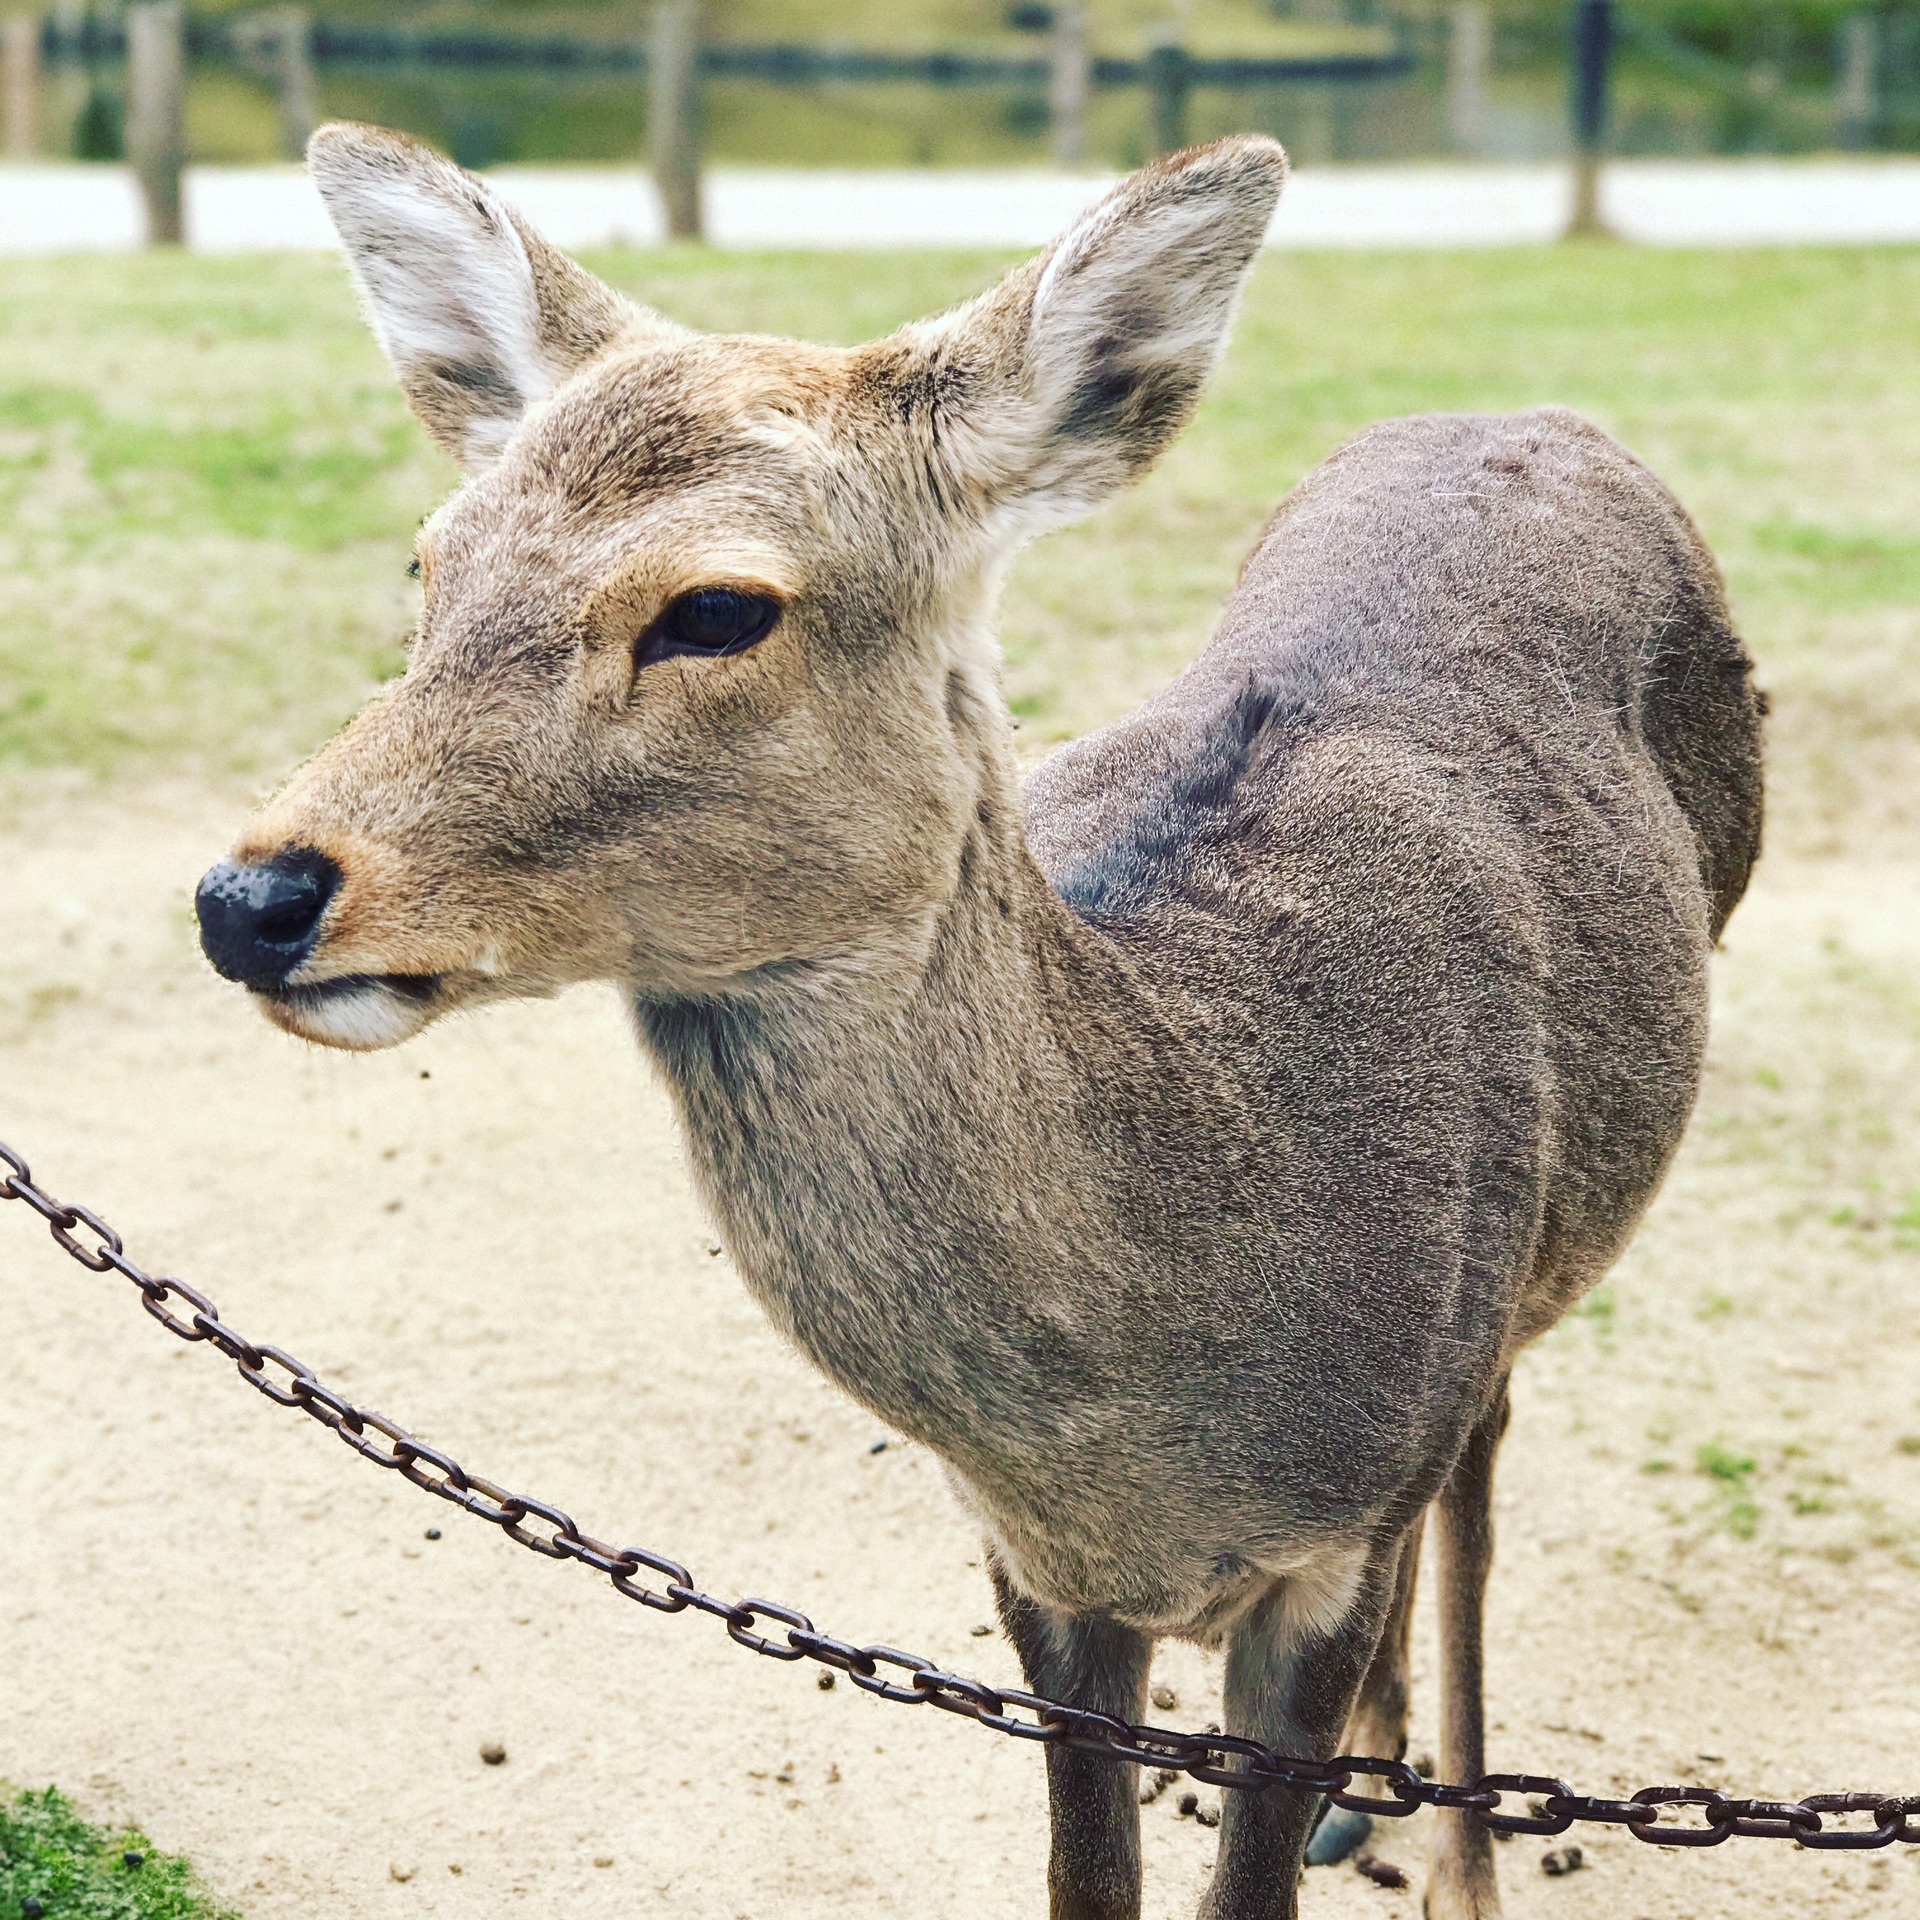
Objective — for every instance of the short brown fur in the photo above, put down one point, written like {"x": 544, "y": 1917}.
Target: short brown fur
{"x": 1182, "y": 1144}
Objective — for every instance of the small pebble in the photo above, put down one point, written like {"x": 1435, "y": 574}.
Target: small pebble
{"x": 31, "y": 1909}
{"x": 1157, "y": 1783}
{"x": 879, "y": 1446}
{"x": 1563, "y": 1860}
{"x": 424, "y": 1074}
{"x": 433, "y": 1533}
{"x": 825, "y": 1683}
{"x": 1208, "y": 1816}
{"x": 403, "y": 1874}
{"x": 1424, "y": 1766}
{"x": 1383, "y": 1873}
{"x": 134, "y": 1859}
{"x": 715, "y": 1249}
{"x": 1189, "y": 1805}
{"x": 981, "y": 1631}
{"x": 1164, "y": 1697}
{"x": 603, "y": 1859}
{"x": 494, "y": 1754}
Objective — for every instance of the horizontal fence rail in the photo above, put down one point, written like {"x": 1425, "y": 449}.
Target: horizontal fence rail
{"x": 356, "y": 46}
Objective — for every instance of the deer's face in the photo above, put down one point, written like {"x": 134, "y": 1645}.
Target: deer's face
{"x": 704, "y": 679}
{"x": 659, "y": 722}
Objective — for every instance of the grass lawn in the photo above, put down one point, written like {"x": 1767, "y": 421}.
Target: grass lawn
{"x": 208, "y": 483}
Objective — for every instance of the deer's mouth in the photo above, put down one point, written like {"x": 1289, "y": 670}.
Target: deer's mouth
{"x": 359, "y": 1011}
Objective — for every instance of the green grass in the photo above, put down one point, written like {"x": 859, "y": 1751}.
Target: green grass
{"x": 55, "y": 1865}
{"x": 208, "y": 485}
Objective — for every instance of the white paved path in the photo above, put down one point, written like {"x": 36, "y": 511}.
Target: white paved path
{"x": 60, "y": 209}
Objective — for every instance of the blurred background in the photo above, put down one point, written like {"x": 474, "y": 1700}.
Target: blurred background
{"x": 1101, "y": 84}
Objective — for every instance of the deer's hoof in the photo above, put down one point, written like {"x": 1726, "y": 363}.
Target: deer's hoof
{"x": 1337, "y": 1836}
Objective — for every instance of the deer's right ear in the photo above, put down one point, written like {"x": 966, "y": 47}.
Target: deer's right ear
{"x": 480, "y": 318}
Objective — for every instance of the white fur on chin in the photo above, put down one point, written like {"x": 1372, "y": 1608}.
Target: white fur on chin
{"x": 362, "y": 1021}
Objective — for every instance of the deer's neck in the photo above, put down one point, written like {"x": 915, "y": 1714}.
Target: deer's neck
{"x": 937, "y": 1159}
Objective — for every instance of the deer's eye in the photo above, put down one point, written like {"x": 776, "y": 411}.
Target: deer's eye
{"x": 710, "y": 620}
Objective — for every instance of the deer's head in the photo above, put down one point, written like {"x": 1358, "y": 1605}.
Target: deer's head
{"x": 705, "y": 680}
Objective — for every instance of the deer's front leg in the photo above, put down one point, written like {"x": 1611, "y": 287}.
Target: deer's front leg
{"x": 1093, "y": 1872}
{"x": 1290, "y": 1684}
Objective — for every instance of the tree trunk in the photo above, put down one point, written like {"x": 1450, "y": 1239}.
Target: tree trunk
{"x": 156, "y": 113}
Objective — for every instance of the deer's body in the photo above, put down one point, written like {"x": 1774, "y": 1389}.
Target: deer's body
{"x": 1183, "y": 1147}
{"x": 1317, "y": 1042}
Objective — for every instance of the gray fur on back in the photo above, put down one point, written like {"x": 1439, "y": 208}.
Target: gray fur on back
{"x": 1435, "y": 837}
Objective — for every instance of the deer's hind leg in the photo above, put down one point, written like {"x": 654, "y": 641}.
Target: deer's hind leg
{"x": 1093, "y": 1871}
{"x": 1294, "y": 1669}
{"x": 1378, "y": 1724}
{"x": 1377, "y": 1727}
{"x": 1460, "y": 1876}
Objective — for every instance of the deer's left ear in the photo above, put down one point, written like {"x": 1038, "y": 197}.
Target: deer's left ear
{"x": 1071, "y": 376}
{"x": 479, "y": 316}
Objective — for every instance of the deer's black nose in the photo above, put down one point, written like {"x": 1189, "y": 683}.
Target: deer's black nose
{"x": 258, "y": 923}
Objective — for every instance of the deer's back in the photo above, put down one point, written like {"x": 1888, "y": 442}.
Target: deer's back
{"x": 1426, "y": 853}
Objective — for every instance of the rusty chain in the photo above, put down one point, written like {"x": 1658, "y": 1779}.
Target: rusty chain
{"x": 1219, "y": 1759}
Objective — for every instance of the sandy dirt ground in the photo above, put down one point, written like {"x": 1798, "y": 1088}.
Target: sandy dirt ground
{"x": 214, "y": 1620}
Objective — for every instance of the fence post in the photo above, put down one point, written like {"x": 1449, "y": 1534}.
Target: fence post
{"x": 1169, "y": 81}
{"x": 1468, "y": 53}
{"x": 277, "y": 45}
{"x": 674, "y": 97}
{"x": 1072, "y": 78}
{"x": 156, "y": 112}
{"x": 20, "y": 83}
{"x": 1856, "y": 93}
{"x": 1592, "y": 57}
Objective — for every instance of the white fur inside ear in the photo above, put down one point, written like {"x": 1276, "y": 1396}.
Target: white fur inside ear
{"x": 1161, "y": 285}
{"x": 449, "y": 290}
{"x": 1126, "y": 320}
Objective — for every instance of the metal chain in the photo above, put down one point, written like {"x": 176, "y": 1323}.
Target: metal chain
{"x": 1220, "y": 1759}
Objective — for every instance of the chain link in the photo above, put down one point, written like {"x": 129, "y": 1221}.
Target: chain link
{"x": 1219, "y": 1759}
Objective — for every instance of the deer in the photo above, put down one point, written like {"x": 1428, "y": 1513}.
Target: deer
{"x": 1181, "y": 1139}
